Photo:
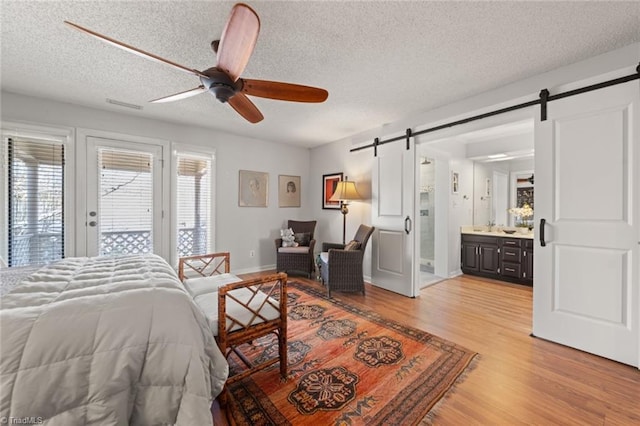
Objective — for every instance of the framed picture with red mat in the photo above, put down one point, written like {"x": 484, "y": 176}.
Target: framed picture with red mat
{"x": 329, "y": 184}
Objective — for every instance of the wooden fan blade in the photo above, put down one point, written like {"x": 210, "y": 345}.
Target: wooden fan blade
{"x": 245, "y": 108}
{"x": 283, "y": 91}
{"x": 181, "y": 95}
{"x": 132, "y": 49}
{"x": 238, "y": 40}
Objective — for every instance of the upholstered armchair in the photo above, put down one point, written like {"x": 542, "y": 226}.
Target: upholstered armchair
{"x": 297, "y": 259}
{"x": 341, "y": 264}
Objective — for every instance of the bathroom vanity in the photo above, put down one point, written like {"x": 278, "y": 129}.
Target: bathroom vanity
{"x": 497, "y": 255}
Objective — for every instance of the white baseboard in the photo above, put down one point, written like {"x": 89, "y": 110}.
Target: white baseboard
{"x": 254, "y": 269}
{"x": 455, "y": 273}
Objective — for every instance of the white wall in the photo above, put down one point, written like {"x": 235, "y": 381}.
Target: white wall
{"x": 460, "y": 210}
{"x": 336, "y": 158}
{"x": 238, "y": 229}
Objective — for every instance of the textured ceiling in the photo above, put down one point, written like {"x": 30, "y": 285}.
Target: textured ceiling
{"x": 380, "y": 61}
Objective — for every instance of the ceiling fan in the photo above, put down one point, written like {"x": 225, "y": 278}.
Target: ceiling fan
{"x": 223, "y": 80}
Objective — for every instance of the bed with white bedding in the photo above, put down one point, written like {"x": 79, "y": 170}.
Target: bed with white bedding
{"x": 107, "y": 340}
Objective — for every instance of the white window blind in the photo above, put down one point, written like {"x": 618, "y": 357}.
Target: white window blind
{"x": 195, "y": 227}
{"x": 35, "y": 215}
{"x": 125, "y": 202}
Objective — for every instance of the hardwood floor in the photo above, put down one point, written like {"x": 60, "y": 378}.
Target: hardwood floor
{"x": 516, "y": 379}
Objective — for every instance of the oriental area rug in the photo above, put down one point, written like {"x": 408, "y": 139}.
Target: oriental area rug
{"x": 347, "y": 366}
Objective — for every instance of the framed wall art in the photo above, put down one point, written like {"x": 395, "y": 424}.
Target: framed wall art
{"x": 288, "y": 191}
{"x": 253, "y": 189}
{"x": 329, "y": 183}
{"x": 455, "y": 182}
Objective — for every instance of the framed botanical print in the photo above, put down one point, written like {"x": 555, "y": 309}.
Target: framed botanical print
{"x": 329, "y": 184}
{"x": 289, "y": 191}
{"x": 253, "y": 189}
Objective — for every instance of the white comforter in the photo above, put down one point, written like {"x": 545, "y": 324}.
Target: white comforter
{"x": 107, "y": 341}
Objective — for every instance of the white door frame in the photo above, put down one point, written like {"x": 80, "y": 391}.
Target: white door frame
{"x": 93, "y": 187}
{"x": 444, "y": 245}
{"x": 82, "y": 136}
{"x": 441, "y": 207}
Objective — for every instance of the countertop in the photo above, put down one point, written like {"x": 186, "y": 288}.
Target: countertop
{"x": 517, "y": 234}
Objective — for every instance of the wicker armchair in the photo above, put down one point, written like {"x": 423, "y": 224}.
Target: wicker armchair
{"x": 341, "y": 267}
{"x": 297, "y": 259}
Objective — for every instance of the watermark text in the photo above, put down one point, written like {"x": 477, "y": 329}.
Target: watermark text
{"x": 26, "y": 420}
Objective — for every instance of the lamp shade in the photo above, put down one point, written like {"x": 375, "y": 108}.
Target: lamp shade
{"x": 345, "y": 191}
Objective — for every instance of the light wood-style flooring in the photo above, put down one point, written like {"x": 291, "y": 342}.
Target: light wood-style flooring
{"x": 516, "y": 379}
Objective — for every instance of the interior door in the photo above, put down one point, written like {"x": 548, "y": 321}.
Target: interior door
{"x": 393, "y": 192}
{"x": 124, "y": 197}
{"x": 587, "y": 260}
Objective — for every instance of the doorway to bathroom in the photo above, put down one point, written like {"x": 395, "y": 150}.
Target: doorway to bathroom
{"x": 427, "y": 226}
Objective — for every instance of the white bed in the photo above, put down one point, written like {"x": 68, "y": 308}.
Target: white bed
{"x": 109, "y": 340}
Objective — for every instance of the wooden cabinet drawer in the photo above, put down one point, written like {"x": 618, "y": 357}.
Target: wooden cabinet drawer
{"x": 483, "y": 239}
{"x": 511, "y": 242}
{"x": 511, "y": 254}
{"x": 513, "y": 270}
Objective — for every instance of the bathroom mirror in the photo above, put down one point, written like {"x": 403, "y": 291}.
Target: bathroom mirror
{"x": 522, "y": 190}
{"x": 498, "y": 186}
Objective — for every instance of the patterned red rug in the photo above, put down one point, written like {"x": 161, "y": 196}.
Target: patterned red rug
{"x": 347, "y": 366}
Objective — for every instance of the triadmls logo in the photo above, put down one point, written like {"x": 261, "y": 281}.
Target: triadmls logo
{"x": 27, "y": 420}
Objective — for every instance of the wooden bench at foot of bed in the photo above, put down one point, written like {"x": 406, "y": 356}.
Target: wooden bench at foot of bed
{"x": 239, "y": 311}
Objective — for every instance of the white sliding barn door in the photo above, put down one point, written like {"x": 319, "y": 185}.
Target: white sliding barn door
{"x": 393, "y": 188}
{"x": 587, "y": 171}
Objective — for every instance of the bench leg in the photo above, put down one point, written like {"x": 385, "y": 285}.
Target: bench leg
{"x": 282, "y": 352}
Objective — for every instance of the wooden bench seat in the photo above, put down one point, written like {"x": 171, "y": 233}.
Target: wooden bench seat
{"x": 239, "y": 311}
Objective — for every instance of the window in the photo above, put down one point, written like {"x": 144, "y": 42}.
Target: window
{"x": 194, "y": 205}
{"x": 35, "y": 199}
{"x": 125, "y": 203}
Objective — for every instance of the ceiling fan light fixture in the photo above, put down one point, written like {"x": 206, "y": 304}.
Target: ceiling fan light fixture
{"x": 222, "y": 91}
{"x": 219, "y": 84}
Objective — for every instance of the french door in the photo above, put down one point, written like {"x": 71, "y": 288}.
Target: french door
{"x": 587, "y": 257}
{"x": 392, "y": 207}
{"x": 124, "y": 197}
